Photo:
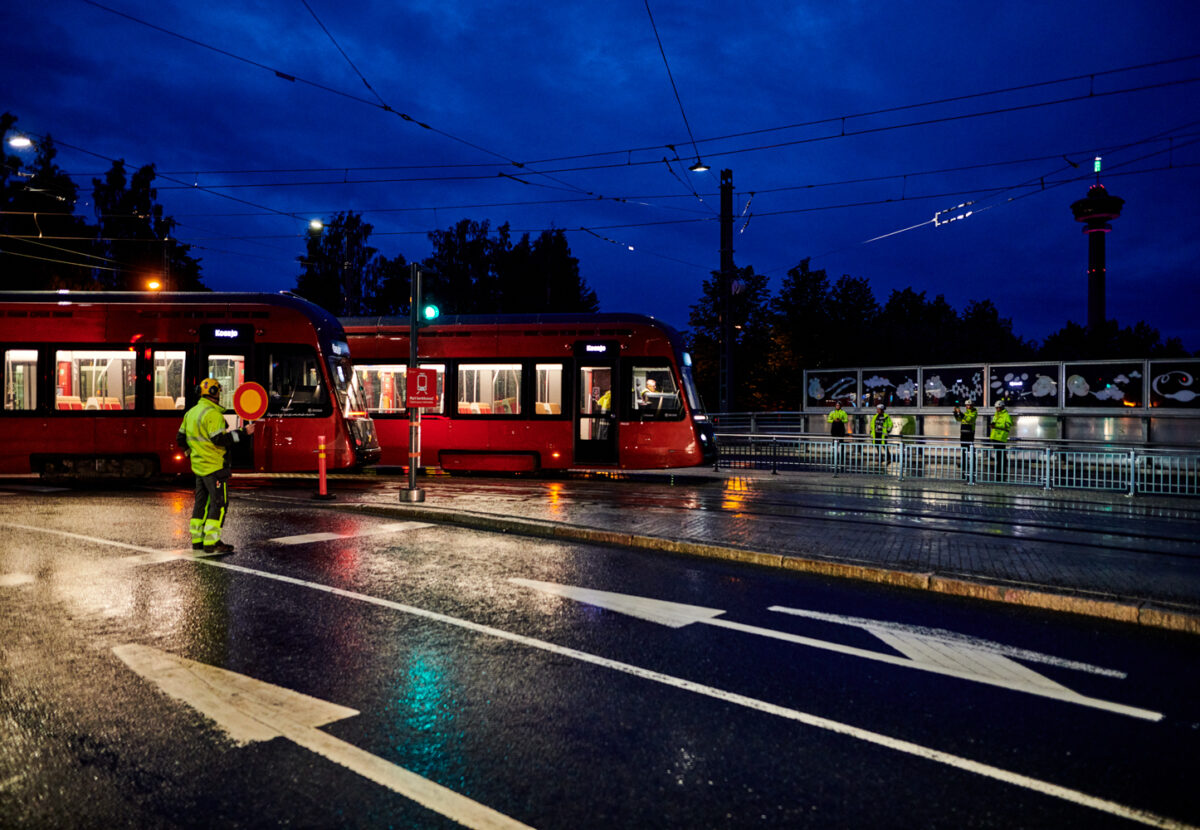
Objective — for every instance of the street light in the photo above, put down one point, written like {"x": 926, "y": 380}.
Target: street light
{"x": 699, "y": 166}
{"x": 20, "y": 142}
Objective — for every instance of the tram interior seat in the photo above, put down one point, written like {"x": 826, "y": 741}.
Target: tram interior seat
{"x": 164, "y": 402}
{"x": 98, "y": 402}
{"x": 68, "y": 402}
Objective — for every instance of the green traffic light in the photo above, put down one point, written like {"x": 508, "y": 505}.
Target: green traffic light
{"x": 430, "y": 311}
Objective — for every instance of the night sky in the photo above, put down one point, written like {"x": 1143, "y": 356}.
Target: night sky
{"x": 563, "y": 115}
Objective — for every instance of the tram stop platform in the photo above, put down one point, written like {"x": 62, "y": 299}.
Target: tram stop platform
{"x": 1129, "y": 559}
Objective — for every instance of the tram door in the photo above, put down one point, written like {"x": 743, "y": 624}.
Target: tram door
{"x": 225, "y": 358}
{"x": 595, "y": 414}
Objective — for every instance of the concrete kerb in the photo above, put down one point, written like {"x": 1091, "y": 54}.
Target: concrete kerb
{"x": 1134, "y": 612}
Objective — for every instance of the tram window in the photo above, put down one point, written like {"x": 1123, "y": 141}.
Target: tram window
{"x": 294, "y": 382}
{"x": 654, "y": 392}
{"x": 168, "y": 379}
{"x": 230, "y": 371}
{"x": 549, "y": 389}
{"x": 94, "y": 379}
{"x": 489, "y": 389}
{"x": 385, "y": 385}
{"x": 20, "y": 379}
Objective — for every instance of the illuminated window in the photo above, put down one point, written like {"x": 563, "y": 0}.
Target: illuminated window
{"x": 94, "y": 379}
{"x": 489, "y": 389}
{"x": 549, "y": 389}
{"x": 654, "y": 393}
{"x": 384, "y": 386}
{"x": 20, "y": 379}
{"x": 169, "y": 379}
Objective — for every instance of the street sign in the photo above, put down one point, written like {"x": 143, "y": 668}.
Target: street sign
{"x": 250, "y": 401}
{"x": 422, "y": 389}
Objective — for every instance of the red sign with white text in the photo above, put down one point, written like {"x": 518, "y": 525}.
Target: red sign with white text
{"x": 421, "y": 388}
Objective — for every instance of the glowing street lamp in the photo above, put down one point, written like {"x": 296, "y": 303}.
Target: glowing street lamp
{"x": 20, "y": 142}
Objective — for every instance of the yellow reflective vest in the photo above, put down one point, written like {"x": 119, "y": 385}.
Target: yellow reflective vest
{"x": 206, "y": 434}
{"x": 1002, "y": 424}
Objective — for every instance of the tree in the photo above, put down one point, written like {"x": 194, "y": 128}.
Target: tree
{"x": 853, "y": 312}
{"x": 136, "y": 237}
{"x": 44, "y": 245}
{"x": 804, "y": 332}
{"x": 339, "y": 272}
{"x": 1076, "y": 342}
{"x": 755, "y": 379}
{"x": 988, "y": 337}
{"x": 463, "y": 277}
{"x": 476, "y": 273}
{"x": 918, "y": 331}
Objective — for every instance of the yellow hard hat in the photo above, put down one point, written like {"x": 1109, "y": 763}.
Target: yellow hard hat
{"x": 210, "y": 388}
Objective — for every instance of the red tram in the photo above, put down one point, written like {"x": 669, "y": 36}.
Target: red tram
{"x": 96, "y": 383}
{"x": 523, "y": 393}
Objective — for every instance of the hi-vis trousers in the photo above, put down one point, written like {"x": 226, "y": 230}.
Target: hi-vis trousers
{"x": 208, "y": 515}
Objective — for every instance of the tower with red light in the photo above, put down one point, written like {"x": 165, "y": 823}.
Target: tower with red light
{"x": 1095, "y": 211}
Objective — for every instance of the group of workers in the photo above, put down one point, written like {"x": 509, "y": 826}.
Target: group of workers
{"x": 879, "y": 426}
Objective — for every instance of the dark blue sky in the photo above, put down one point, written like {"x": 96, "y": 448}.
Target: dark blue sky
{"x": 777, "y": 92}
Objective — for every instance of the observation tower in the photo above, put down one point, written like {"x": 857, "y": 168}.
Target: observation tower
{"x": 1095, "y": 211}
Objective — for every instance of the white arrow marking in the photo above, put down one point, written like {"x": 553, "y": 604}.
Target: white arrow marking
{"x": 921, "y": 653}
{"x": 392, "y": 527}
{"x": 951, "y": 639}
{"x": 251, "y": 710}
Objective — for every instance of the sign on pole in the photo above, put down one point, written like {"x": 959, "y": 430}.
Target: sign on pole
{"x": 250, "y": 401}
{"x": 421, "y": 389}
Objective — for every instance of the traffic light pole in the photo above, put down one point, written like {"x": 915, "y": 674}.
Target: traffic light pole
{"x": 413, "y": 493}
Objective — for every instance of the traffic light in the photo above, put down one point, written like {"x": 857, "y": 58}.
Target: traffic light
{"x": 430, "y": 312}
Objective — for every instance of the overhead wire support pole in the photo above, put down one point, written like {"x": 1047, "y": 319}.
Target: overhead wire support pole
{"x": 725, "y": 293}
{"x": 413, "y": 493}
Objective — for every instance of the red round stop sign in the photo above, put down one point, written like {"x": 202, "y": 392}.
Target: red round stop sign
{"x": 250, "y": 401}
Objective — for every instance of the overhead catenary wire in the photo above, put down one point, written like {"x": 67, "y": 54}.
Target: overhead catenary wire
{"x": 379, "y": 104}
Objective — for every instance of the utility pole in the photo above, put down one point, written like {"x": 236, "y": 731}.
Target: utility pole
{"x": 413, "y": 493}
{"x": 725, "y": 291}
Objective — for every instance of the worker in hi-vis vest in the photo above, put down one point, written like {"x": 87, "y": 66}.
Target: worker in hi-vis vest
{"x": 1002, "y": 424}
{"x": 206, "y": 438}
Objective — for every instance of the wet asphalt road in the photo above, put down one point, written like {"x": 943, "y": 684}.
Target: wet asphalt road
{"x": 552, "y": 711}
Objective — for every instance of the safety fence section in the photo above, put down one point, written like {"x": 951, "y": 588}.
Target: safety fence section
{"x": 1116, "y": 470}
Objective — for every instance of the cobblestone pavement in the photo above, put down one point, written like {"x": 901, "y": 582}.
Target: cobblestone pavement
{"x": 1132, "y": 559}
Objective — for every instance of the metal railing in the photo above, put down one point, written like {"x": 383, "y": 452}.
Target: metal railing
{"x": 1115, "y": 469}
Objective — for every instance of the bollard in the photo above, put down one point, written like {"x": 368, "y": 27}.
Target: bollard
{"x": 322, "y": 491}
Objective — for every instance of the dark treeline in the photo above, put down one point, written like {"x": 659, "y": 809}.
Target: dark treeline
{"x": 815, "y": 323}
{"x": 812, "y": 322}
{"x": 471, "y": 271}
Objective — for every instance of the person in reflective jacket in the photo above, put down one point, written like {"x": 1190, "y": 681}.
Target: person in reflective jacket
{"x": 206, "y": 438}
{"x": 878, "y": 428}
{"x": 1002, "y": 424}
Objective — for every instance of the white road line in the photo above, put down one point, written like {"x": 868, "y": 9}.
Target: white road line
{"x": 906, "y": 747}
{"x": 377, "y": 530}
{"x": 248, "y": 709}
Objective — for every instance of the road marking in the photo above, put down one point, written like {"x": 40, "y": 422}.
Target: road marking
{"x": 392, "y": 527}
{"x": 252, "y": 710}
{"x": 816, "y": 721}
{"x": 922, "y": 653}
{"x": 952, "y": 637}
